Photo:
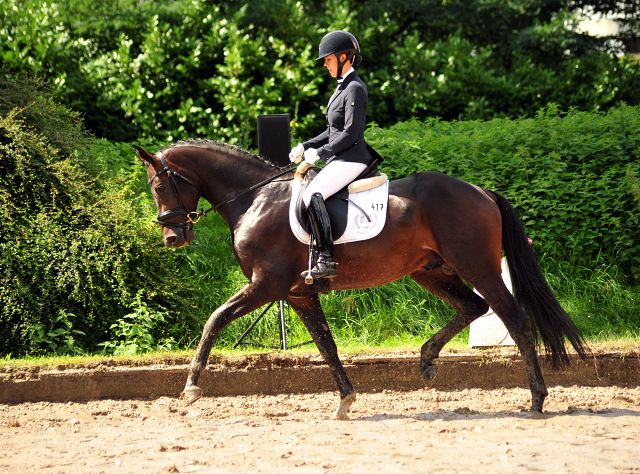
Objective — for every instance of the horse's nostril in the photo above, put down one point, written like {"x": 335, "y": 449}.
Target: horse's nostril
{"x": 170, "y": 240}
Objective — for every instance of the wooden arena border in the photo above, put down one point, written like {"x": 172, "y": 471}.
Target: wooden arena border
{"x": 367, "y": 374}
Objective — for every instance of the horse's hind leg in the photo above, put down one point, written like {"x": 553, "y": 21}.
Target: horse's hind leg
{"x": 519, "y": 326}
{"x": 308, "y": 308}
{"x": 470, "y": 306}
{"x": 465, "y": 302}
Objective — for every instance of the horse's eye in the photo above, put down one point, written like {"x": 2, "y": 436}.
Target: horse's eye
{"x": 160, "y": 189}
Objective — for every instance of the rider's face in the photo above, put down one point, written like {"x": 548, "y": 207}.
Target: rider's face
{"x": 331, "y": 63}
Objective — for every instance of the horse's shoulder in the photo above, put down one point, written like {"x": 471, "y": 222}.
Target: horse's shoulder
{"x": 268, "y": 210}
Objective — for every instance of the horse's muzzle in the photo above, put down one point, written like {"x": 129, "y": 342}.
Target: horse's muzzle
{"x": 178, "y": 239}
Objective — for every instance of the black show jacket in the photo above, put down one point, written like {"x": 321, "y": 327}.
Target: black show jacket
{"x": 343, "y": 140}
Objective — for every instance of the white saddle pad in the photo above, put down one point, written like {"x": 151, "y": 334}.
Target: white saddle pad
{"x": 374, "y": 202}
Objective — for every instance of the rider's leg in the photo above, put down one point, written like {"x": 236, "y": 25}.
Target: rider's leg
{"x": 333, "y": 177}
{"x": 321, "y": 228}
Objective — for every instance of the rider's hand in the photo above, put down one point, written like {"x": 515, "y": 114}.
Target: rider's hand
{"x": 296, "y": 153}
{"x": 311, "y": 156}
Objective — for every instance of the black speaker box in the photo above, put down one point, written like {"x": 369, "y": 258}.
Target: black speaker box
{"x": 274, "y": 138}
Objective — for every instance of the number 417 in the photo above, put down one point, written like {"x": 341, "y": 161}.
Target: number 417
{"x": 377, "y": 206}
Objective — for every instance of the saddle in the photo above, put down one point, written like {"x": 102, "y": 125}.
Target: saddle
{"x": 337, "y": 204}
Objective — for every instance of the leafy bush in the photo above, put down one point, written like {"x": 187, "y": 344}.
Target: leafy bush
{"x": 60, "y": 339}
{"x": 135, "y": 331}
{"x": 598, "y": 296}
{"x": 74, "y": 240}
{"x": 176, "y": 69}
{"x": 573, "y": 176}
{"x": 167, "y": 70}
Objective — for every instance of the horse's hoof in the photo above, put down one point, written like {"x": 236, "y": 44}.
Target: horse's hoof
{"x": 345, "y": 403}
{"x": 191, "y": 394}
{"x": 538, "y": 415}
{"x": 429, "y": 373}
{"x": 536, "y": 408}
{"x": 338, "y": 415}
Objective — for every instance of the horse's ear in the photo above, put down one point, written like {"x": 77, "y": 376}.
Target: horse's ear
{"x": 146, "y": 158}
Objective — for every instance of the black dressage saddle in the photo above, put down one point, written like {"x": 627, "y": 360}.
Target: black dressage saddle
{"x": 337, "y": 205}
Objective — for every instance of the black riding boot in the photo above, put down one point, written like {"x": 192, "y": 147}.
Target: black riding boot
{"x": 321, "y": 229}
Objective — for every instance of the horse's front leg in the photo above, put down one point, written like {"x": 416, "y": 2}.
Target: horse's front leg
{"x": 308, "y": 308}
{"x": 251, "y": 297}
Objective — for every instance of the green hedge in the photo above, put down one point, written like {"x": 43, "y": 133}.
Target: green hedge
{"x": 537, "y": 163}
{"x": 574, "y": 177}
{"x": 82, "y": 265}
{"x": 77, "y": 248}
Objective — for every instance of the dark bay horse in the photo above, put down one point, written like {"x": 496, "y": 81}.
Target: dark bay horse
{"x": 440, "y": 230}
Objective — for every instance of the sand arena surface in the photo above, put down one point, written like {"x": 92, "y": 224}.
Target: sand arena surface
{"x": 585, "y": 429}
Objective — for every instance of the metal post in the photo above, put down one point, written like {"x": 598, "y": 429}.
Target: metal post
{"x": 283, "y": 329}
{"x": 252, "y": 325}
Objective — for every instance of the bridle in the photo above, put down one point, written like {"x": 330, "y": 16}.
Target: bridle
{"x": 191, "y": 217}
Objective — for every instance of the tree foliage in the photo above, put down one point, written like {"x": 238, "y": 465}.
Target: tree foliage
{"x": 82, "y": 266}
{"x": 179, "y": 69}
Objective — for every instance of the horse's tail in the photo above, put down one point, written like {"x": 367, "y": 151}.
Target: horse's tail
{"x": 531, "y": 290}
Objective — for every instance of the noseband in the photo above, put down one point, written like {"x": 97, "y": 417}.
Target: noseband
{"x": 194, "y": 216}
{"x": 191, "y": 216}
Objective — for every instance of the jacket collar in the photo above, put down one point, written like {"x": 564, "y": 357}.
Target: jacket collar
{"x": 341, "y": 86}
{"x": 345, "y": 80}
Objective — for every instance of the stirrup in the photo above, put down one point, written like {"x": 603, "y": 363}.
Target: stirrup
{"x": 325, "y": 268}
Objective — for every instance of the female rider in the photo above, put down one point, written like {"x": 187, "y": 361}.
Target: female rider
{"x": 341, "y": 145}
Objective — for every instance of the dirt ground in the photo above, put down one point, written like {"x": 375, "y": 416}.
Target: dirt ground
{"x": 584, "y": 429}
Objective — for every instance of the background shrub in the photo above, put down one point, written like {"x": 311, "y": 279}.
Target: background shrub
{"x": 573, "y": 176}
{"x": 74, "y": 240}
{"x": 176, "y": 69}
{"x": 85, "y": 271}
{"x": 76, "y": 211}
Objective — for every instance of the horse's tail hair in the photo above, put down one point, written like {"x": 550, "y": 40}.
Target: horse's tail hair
{"x": 550, "y": 322}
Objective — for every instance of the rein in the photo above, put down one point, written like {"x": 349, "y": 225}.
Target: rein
{"x": 194, "y": 216}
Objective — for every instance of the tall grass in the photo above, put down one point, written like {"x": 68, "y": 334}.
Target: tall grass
{"x": 602, "y": 301}
{"x": 599, "y": 297}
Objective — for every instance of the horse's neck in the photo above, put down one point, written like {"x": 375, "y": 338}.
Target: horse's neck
{"x": 225, "y": 175}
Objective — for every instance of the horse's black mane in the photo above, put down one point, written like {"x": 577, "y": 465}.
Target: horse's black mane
{"x": 215, "y": 145}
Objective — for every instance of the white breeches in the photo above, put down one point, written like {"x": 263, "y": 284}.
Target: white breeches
{"x": 332, "y": 178}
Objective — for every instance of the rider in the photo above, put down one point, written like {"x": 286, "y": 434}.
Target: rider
{"x": 341, "y": 145}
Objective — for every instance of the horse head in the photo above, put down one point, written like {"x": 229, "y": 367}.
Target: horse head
{"x": 176, "y": 197}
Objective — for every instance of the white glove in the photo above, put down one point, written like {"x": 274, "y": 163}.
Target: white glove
{"x": 296, "y": 153}
{"x": 311, "y": 156}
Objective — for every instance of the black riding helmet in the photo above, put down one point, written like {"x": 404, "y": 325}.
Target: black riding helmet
{"x": 338, "y": 42}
